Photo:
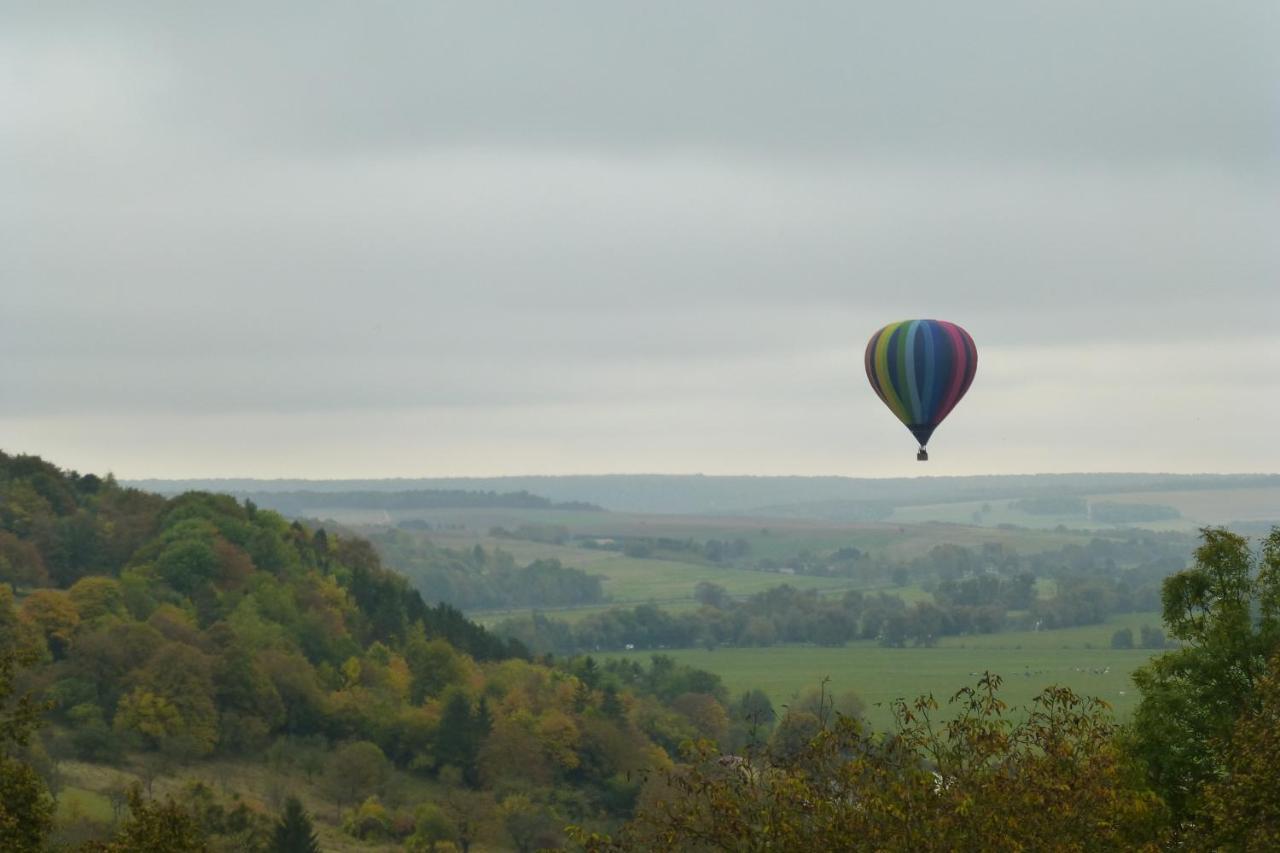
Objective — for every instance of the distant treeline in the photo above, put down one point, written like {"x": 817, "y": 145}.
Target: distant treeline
{"x": 983, "y": 605}
{"x": 974, "y": 591}
{"x": 305, "y": 502}
{"x": 477, "y": 579}
{"x": 827, "y": 496}
{"x": 1108, "y": 512}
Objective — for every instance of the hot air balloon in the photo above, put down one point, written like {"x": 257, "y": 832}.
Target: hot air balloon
{"x": 921, "y": 369}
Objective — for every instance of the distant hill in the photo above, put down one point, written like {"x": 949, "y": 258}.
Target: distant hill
{"x": 315, "y": 501}
{"x": 698, "y": 494}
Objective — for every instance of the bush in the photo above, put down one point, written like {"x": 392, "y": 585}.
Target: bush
{"x": 1122, "y": 639}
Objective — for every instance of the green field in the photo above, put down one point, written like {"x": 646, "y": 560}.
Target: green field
{"x": 1079, "y": 658}
{"x": 671, "y": 582}
{"x": 1199, "y": 507}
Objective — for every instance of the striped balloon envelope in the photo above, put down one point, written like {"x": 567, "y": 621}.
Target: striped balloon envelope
{"x": 921, "y": 369}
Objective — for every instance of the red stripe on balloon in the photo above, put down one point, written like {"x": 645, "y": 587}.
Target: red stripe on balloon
{"x": 956, "y": 387}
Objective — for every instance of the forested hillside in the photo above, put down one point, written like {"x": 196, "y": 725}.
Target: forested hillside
{"x": 169, "y": 635}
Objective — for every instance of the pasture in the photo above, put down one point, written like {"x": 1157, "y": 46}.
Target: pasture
{"x": 671, "y": 581}
{"x": 1199, "y": 507}
{"x": 1079, "y": 658}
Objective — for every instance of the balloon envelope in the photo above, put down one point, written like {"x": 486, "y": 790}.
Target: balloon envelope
{"x": 921, "y": 369}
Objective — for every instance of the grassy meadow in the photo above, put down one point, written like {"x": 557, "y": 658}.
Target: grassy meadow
{"x": 670, "y": 581}
{"x": 1028, "y": 661}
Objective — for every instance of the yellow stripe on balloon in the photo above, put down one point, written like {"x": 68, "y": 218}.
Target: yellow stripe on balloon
{"x": 882, "y": 371}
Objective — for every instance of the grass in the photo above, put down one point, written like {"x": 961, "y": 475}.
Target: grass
{"x": 671, "y": 582}
{"x": 1199, "y": 507}
{"x": 253, "y": 782}
{"x": 1211, "y": 506}
{"x": 75, "y": 803}
{"x": 629, "y": 581}
{"x": 1079, "y": 658}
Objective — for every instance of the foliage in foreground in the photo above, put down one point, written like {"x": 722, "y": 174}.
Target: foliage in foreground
{"x": 26, "y": 809}
{"x": 1225, "y": 610}
{"x": 1055, "y": 779}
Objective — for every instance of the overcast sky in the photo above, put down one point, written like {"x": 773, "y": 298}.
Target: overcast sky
{"x": 414, "y": 239}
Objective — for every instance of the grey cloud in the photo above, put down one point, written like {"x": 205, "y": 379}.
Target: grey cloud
{"x": 996, "y": 79}
{"x": 606, "y": 236}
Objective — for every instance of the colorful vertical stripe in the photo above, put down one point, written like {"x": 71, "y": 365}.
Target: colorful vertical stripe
{"x": 921, "y": 369}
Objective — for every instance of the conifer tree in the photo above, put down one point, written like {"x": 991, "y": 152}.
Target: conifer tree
{"x": 294, "y": 833}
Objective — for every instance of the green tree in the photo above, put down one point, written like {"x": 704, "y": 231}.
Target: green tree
{"x": 356, "y": 770}
{"x": 434, "y": 665}
{"x": 26, "y": 809}
{"x": 1241, "y": 809}
{"x": 431, "y": 825}
{"x": 294, "y": 832}
{"x": 1226, "y": 611}
{"x": 157, "y": 827}
{"x": 95, "y": 597}
{"x": 530, "y": 826}
{"x": 1122, "y": 639}
{"x": 461, "y": 734}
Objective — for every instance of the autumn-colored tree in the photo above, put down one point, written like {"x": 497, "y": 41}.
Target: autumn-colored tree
{"x": 54, "y": 614}
{"x": 370, "y": 821}
{"x": 707, "y": 715}
{"x": 175, "y": 700}
{"x": 1052, "y": 781}
{"x": 95, "y": 597}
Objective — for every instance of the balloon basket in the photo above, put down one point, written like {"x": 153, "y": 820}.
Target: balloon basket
{"x": 922, "y": 455}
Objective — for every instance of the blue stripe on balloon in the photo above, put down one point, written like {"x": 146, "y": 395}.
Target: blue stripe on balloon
{"x": 946, "y": 367}
{"x": 931, "y": 392}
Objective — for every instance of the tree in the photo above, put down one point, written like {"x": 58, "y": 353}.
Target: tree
{"x": 20, "y": 562}
{"x": 174, "y": 701}
{"x": 369, "y": 822}
{"x": 431, "y": 825}
{"x": 1151, "y": 638}
{"x": 1122, "y": 639}
{"x": 294, "y": 832}
{"x": 95, "y": 597}
{"x": 356, "y": 770}
{"x": 54, "y": 614}
{"x": 1226, "y": 611}
{"x": 529, "y": 826}
{"x": 710, "y": 594}
{"x": 157, "y": 827}
{"x": 434, "y": 665}
{"x": 461, "y": 734}
{"x": 1241, "y": 810}
{"x": 26, "y": 809}
{"x": 471, "y": 813}
{"x": 1052, "y": 781}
